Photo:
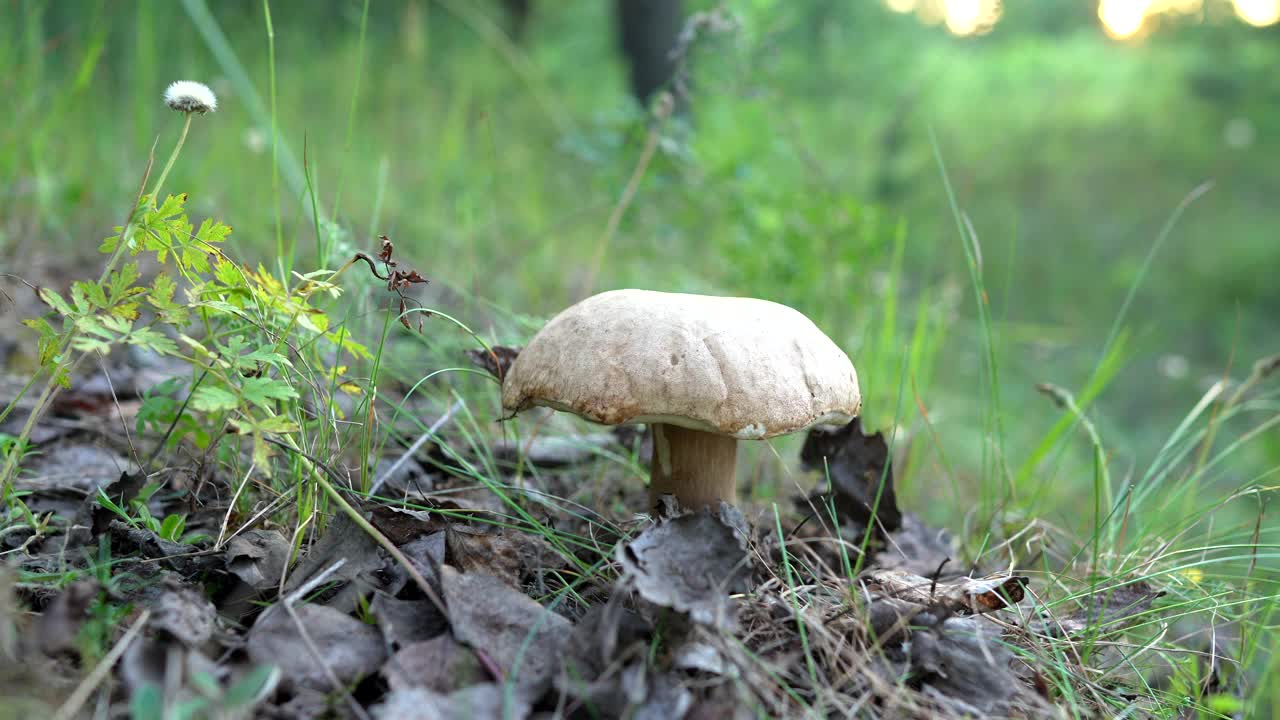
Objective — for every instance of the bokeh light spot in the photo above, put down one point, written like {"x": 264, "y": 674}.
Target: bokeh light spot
{"x": 1258, "y": 12}
{"x": 1122, "y": 18}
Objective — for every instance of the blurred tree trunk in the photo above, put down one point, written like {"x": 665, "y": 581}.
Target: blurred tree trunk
{"x": 648, "y": 31}
{"x": 517, "y": 17}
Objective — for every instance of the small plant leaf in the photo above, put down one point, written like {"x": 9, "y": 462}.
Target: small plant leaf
{"x": 55, "y": 301}
{"x": 212, "y": 398}
{"x": 252, "y": 688}
{"x": 261, "y": 391}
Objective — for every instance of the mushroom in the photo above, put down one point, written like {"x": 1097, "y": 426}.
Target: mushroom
{"x": 702, "y": 371}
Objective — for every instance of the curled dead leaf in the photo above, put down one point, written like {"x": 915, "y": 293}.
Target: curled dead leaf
{"x": 857, "y": 466}
{"x": 961, "y": 596}
{"x": 496, "y": 360}
{"x": 690, "y": 563}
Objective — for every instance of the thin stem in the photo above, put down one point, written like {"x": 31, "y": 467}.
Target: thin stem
{"x": 73, "y": 704}
{"x": 318, "y": 470}
{"x": 628, "y": 193}
{"x": 287, "y": 259}
{"x": 173, "y": 157}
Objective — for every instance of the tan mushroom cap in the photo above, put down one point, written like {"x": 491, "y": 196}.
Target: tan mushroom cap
{"x": 741, "y": 367}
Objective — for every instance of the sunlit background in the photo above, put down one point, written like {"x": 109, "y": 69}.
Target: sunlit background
{"x": 1121, "y": 19}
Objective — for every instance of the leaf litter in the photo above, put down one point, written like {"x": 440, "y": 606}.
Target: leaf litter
{"x": 579, "y": 614}
{"x": 669, "y": 564}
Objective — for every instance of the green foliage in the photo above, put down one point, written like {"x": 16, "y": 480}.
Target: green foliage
{"x": 14, "y": 444}
{"x": 171, "y": 528}
{"x": 236, "y": 327}
{"x": 204, "y": 697}
{"x": 105, "y": 614}
{"x": 161, "y": 412}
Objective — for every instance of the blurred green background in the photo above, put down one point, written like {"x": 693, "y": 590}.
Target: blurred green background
{"x": 806, "y": 170}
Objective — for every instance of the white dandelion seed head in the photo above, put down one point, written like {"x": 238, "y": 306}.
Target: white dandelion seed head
{"x": 188, "y": 96}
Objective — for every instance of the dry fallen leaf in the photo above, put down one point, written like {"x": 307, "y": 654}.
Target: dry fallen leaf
{"x": 1113, "y": 609}
{"x": 360, "y": 573}
{"x": 509, "y": 555}
{"x": 963, "y": 667}
{"x": 523, "y": 639}
{"x": 182, "y": 558}
{"x": 406, "y": 622}
{"x": 347, "y": 647}
{"x": 496, "y": 360}
{"x": 856, "y": 465}
{"x": 486, "y": 701}
{"x": 959, "y": 664}
{"x": 258, "y": 558}
{"x": 184, "y": 614}
{"x": 962, "y": 596}
{"x": 59, "y": 624}
{"x": 78, "y": 467}
{"x": 917, "y": 548}
{"x": 426, "y": 554}
{"x": 691, "y": 563}
{"x": 440, "y": 664}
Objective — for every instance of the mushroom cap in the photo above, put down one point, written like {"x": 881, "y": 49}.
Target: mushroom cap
{"x": 733, "y": 366}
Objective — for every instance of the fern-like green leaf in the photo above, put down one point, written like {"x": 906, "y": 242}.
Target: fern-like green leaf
{"x": 262, "y": 391}
{"x": 213, "y": 398}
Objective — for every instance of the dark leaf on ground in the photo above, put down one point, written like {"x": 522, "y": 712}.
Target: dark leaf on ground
{"x": 702, "y": 657}
{"x": 653, "y": 695}
{"x": 258, "y": 558}
{"x": 724, "y": 704}
{"x": 186, "y": 560}
{"x": 963, "y": 667}
{"x": 690, "y": 563}
{"x": 856, "y": 464}
{"x": 891, "y": 619}
{"x": 345, "y": 646}
{"x": 401, "y": 525}
{"x": 153, "y": 662}
{"x": 121, "y": 491}
{"x": 360, "y": 571}
{"x": 607, "y": 638}
{"x": 426, "y": 555}
{"x": 959, "y": 663}
{"x": 305, "y": 704}
{"x": 509, "y": 555}
{"x": 503, "y": 625}
{"x": 405, "y": 622}
{"x": 631, "y": 690}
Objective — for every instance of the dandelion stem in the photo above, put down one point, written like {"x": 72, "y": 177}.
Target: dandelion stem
{"x": 173, "y": 157}
{"x": 126, "y": 235}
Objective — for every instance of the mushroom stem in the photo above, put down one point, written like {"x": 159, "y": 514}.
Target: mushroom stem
{"x": 697, "y": 467}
